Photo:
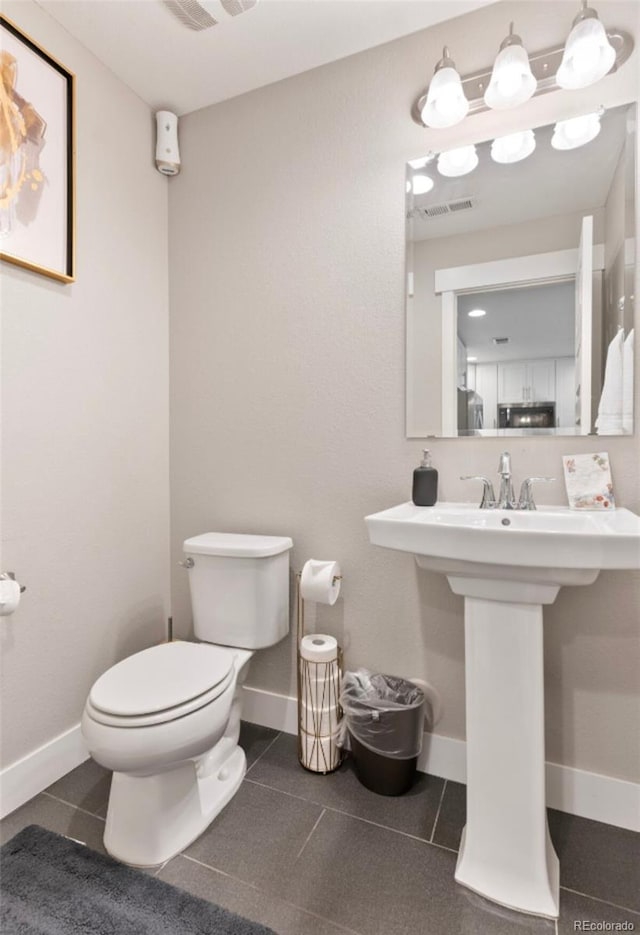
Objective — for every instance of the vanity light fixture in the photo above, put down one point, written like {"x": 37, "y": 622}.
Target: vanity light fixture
{"x": 456, "y": 162}
{"x": 445, "y": 103}
{"x": 591, "y": 52}
{"x": 577, "y": 131}
{"x": 512, "y": 81}
{"x": 588, "y": 54}
{"x": 476, "y": 313}
{"x": 514, "y": 147}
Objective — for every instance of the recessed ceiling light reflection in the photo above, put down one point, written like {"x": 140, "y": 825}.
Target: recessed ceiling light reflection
{"x": 471, "y": 360}
{"x": 476, "y": 313}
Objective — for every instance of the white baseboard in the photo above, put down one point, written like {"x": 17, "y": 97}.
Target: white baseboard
{"x": 25, "y": 778}
{"x": 589, "y": 795}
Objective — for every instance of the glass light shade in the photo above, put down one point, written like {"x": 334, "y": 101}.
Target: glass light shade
{"x": 446, "y": 104}
{"x": 512, "y": 81}
{"x": 588, "y": 55}
{"x": 456, "y": 162}
{"x": 422, "y": 184}
{"x": 569, "y": 134}
{"x": 514, "y": 147}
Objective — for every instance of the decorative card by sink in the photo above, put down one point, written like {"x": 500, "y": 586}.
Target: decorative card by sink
{"x": 588, "y": 481}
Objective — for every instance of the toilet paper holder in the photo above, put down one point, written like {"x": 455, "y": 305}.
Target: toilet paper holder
{"x": 317, "y": 752}
{"x": 10, "y": 576}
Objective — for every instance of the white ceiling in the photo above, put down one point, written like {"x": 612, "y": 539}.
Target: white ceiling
{"x": 172, "y": 67}
{"x": 537, "y": 320}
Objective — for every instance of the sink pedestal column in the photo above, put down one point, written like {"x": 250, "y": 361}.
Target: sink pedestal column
{"x": 506, "y": 852}
{"x": 507, "y": 564}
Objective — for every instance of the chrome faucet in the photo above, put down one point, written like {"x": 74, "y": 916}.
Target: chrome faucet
{"x": 488, "y": 501}
{"x": 525, "y": 500}
{"x": 506, "y": 499}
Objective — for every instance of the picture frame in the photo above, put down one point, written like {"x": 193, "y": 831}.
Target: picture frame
{"x": 37, "y": 158}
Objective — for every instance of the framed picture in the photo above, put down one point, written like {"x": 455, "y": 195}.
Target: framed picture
{"x": 37, "y": 157}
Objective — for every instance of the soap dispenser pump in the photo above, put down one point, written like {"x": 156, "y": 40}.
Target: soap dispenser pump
{"x": 425, "y": 482}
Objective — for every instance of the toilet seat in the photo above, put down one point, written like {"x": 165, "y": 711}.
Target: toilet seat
{"x": 161, "y": 684}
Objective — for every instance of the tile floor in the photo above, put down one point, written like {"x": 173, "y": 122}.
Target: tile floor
{"x": 321, "y": 855}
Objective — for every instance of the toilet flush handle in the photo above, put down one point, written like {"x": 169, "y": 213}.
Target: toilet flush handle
{"x": 188, "y": 563}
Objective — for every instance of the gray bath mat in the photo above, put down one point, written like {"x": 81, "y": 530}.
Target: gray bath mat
{"x": 52, "y": 886}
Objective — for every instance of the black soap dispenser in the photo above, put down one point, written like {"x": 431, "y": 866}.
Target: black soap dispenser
{"x": 425, "y": 482}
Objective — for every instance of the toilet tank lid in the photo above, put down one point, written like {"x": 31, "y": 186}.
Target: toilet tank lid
{"x": 234, "y": 544}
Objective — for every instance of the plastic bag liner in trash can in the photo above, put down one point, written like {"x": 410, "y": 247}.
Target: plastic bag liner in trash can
{"x": 384, "y": 717}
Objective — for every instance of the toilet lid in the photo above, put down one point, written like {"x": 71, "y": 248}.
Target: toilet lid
{"x": 160, "y": 678}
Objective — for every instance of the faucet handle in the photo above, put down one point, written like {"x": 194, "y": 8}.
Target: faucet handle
{"x": 505, "y": 463}
{"x": 525, "y": 500}
{"x": 488, "y": 501}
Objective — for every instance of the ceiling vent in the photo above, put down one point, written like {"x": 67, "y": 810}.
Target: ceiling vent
{"x": 500, "y": 340}
{"x": 446, "y": 207}
{"x": 198, "y": 16}
{"x": 434, "y": 211}
{"x": 463, "y": 204}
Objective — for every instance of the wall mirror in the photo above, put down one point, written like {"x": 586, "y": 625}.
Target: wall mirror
{"x": 520, "y": 283}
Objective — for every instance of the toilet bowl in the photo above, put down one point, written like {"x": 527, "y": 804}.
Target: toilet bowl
{"x": 167, "y": 720}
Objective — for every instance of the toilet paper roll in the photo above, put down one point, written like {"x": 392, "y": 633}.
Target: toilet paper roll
{"x": 9, "y": 596}
{"x": 322, "y": 691}
{"x": 319, "y": 721}
{"x": 318, "y": 583}
{"x": 319, "y": 754}
{"x": 318, "y": 647}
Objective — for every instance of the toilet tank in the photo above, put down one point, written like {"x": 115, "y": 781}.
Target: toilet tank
{"x": 239, "y": 588}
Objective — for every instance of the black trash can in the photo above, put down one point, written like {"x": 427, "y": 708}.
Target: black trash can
{"x": 384, "y": 716}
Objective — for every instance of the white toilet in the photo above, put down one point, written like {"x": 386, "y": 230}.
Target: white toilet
{"x": 167, "y": 719}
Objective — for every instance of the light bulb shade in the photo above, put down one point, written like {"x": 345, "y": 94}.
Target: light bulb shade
{"x": 456, "y": 162}
{"x": 422, "y": 183}
{"x": 446, "y": 104}
{"x": 569, "y": 134}
{"x": 514, "y": 147}
{"x": 512, "y": 81}
{"x": 588, "y": 55}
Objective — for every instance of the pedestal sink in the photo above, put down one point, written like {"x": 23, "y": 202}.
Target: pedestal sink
{"x": 507, "y": 564}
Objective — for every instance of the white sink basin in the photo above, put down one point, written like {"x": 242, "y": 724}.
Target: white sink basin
{"x": 551, "y": 545}
{"x": 507, "y": 564}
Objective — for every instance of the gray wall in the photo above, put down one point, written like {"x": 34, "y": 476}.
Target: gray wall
{"x": 85, "y": 493}
{"x": 287, "y": 371}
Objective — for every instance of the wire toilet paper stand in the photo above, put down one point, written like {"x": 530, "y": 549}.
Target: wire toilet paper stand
{"x": 319, "y": 710}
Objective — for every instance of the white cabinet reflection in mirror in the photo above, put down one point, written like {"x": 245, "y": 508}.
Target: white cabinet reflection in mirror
{"x": 522, "y": 275}
{"x": 527, "y": 381}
